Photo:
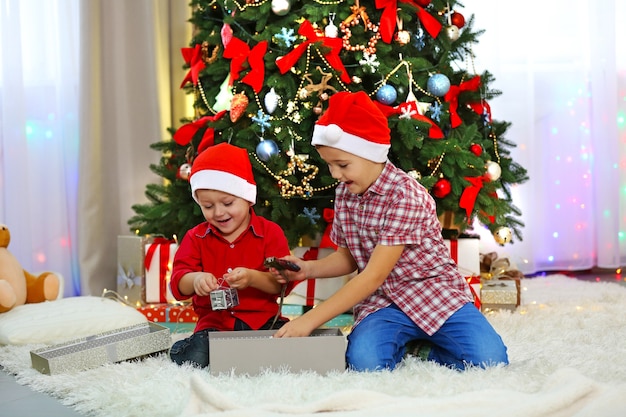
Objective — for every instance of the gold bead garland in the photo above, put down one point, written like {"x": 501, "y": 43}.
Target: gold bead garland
{"x": 289, "y": 190}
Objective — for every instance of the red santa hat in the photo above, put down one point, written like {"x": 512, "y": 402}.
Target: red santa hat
{"x": 354, "y": 124}
{"x": 226, "y": 168}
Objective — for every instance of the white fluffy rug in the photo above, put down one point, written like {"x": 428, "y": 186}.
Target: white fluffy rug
{"x": 566, "y": 346}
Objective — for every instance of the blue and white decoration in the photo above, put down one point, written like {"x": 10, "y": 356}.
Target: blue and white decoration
{"x": 387, "y": 94}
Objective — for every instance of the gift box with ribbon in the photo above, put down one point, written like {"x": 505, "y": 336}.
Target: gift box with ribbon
{"x": 130, "y": 269}
{"x": 500, "y": 283}
{"x": 464, "y": 250}
{"x": 311, "y": 292}
{"x": 159, "y": 256}
{"x": 144, "y": 265}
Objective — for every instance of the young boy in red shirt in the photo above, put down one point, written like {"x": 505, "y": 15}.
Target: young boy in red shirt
{"x": 407, "y": 288}
{"x": 227, "y": 251}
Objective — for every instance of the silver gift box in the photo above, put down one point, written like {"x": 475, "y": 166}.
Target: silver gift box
{"x": 131, "y": 273}
{"x": 499, "y": 294}
{"x": 110, "y": 347}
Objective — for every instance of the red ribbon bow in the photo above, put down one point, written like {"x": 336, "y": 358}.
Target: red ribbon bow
{"x": 164, "y": 257}
{"x": 238, "y": 51}
{"x": 307, "y": 30}
{"x": 326, "y": 242}
{"x": 389, "y": 18}
{"x": 411, "y": 107}
{"x": 185, "y": 133}
{"x": 193, "y": 58}
{"x": 468, "y": 197}
{"x": 452, "y": 96}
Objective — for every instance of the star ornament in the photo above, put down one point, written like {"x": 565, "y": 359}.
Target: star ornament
{"x": 193, "y": 58}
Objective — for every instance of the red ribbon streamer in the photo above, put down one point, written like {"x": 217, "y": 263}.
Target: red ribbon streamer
{"x": 310, "y": 255}
{"x": 329, "y": 216}
{"x": 468, "y": 198}
{"x": 185, "y": 133}
{"x": 452, "y": 96}
{"x": 474, "y": 280}
{"x": 434, "y": 132}
{"x": 164, "y": 257}
{"x": 389, "y": 18}
{"x": 307, "y": 30}
{"x": 193, "y": 58}
{"x": 238, "y": 52}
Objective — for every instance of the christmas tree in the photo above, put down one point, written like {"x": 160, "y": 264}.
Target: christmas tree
{"x": 261, "y": 72}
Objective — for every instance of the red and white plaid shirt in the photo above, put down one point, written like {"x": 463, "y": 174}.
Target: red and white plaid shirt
{"x": 396, "y": 210}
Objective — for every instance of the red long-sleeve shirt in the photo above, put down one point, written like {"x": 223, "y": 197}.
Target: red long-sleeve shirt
{"x": 204, "y": 249}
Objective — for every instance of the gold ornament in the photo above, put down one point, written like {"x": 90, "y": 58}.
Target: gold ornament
{"x": 358, "y": 15}
{"x": 503, "y": 235}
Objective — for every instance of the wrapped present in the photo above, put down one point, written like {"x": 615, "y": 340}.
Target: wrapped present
{"x": 492, "y": 267}
{"x": 158, "y": 259}
{"x": 110, "y": 347}
{"x": 169, "y": 313}
{"x": 130, "y": 268}
{"x": 313, "y": 291}
{"x": 465, "y": 251}
{"x": 500, "y": 294}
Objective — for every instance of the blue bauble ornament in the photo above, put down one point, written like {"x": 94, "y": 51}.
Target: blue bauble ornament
{"x": 438, "y": 85}
{"x": 266, "y": 149}
{"x": 386, "y": 94}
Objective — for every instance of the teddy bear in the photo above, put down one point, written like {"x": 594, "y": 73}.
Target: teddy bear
{"x": 17, "y": 286}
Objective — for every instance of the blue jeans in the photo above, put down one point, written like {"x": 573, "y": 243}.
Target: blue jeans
{"x": 466, "y": 339}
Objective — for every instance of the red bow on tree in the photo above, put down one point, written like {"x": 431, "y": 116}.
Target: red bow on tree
{"x": 238, "y": 51}
{"x": 325, "y": 242}
{"x": 307, "y": 30}
{"x": 193, "y": 58}
{"x": 468, "y": 198}
{"x": 389, "y": 18}
{"x": 452, "y": 96}
{"x": 185, "y": 133}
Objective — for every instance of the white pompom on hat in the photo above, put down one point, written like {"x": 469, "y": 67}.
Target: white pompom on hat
{"x": 354, "y": 124}
{"x": 226, "y": 168}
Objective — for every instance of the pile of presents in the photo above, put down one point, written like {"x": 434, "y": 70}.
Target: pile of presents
{"x": 145, "y": 263}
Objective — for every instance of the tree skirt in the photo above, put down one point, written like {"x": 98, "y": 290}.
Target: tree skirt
{"x": 565, "y": 344}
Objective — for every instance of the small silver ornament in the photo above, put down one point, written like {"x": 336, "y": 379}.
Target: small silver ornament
{"x": 184, "y": 171}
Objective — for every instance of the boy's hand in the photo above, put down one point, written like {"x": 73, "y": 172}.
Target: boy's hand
{"x": 283, "y": 276}
{"x": 204, "y": 283}
{"x": 299, "y": 327}
{"x": 238, "y": 278}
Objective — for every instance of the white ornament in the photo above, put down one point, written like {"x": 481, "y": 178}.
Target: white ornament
{"x": 281, "y": 7}
{"x": 271, "y": 101}
{"x": 493, "y": 170}
{"x": 503, "y": 235}
{"x": 331, "y": 31}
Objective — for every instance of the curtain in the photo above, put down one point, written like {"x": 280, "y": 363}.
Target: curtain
{"x": 77, "y": 119}
{"x": 562, "y": 73}
{"x": 39, "y": 136}
{"x": 126, "y": 105}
